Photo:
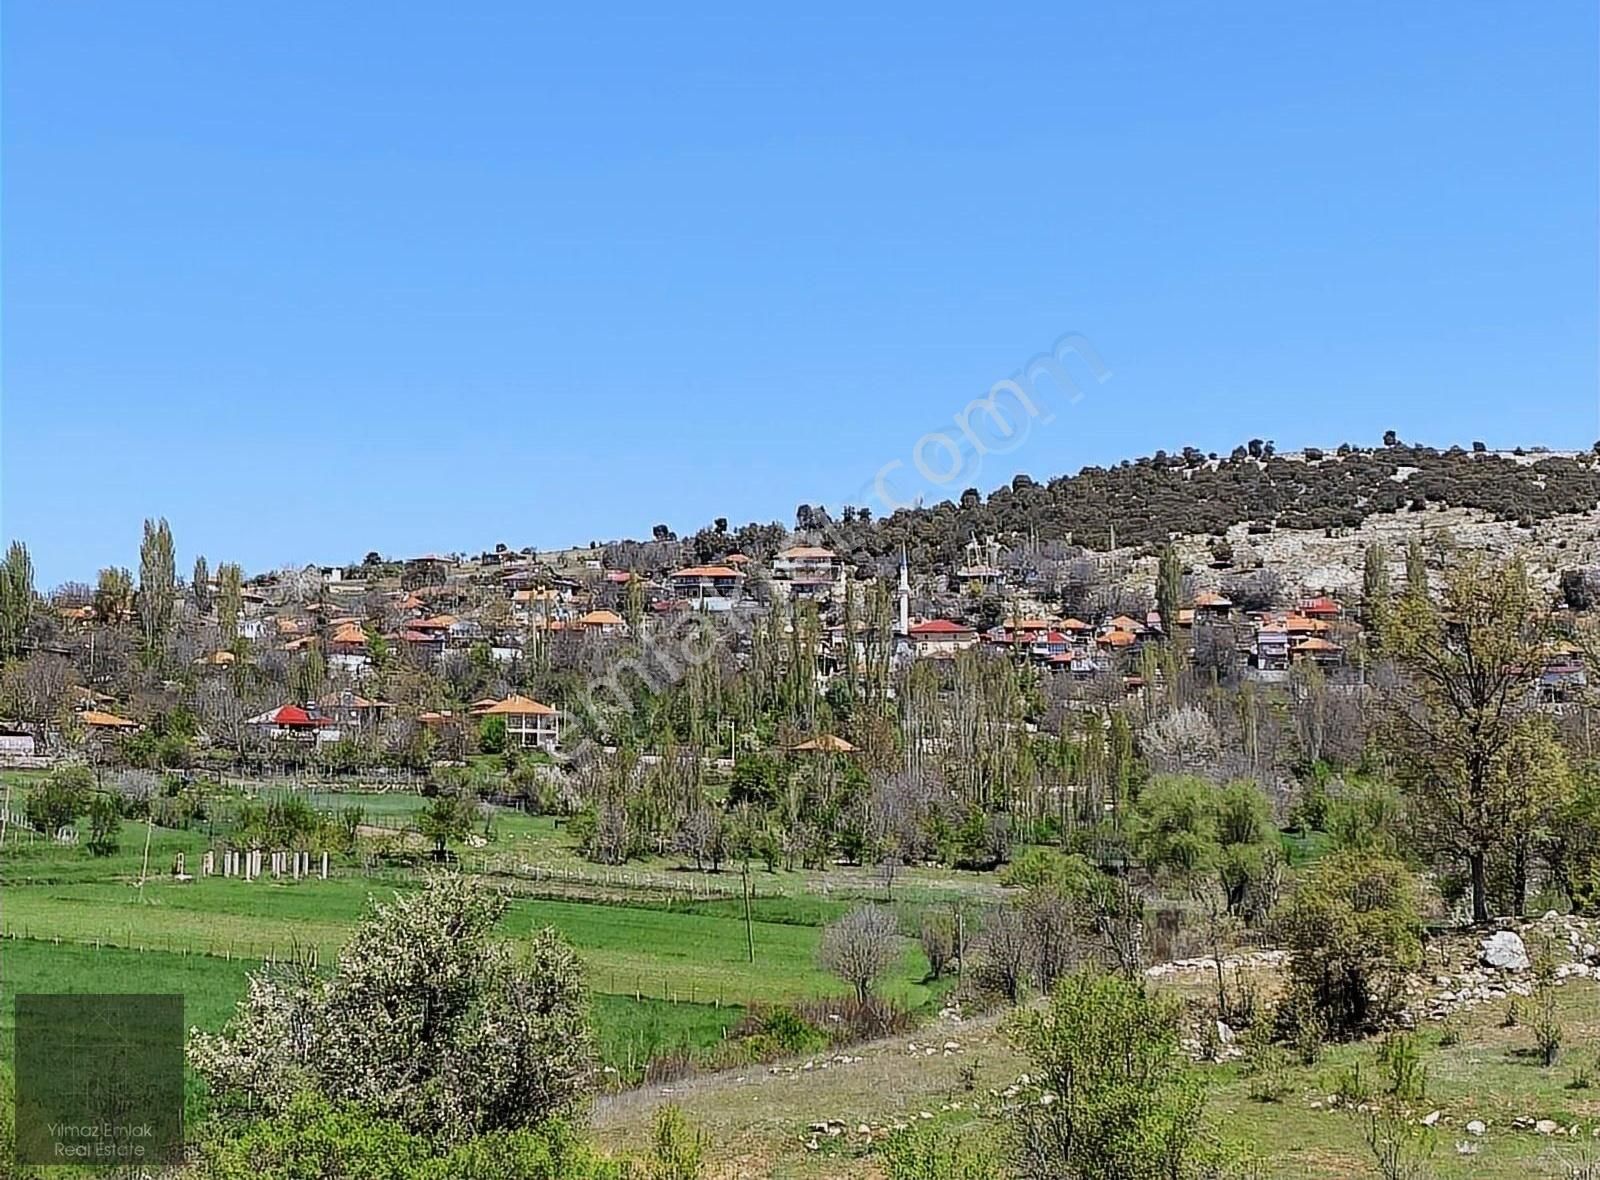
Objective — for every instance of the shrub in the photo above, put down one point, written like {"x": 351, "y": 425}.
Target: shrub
{"x": 924, "y": 1153}
{"x": 105, "y": 825}
{"x": 1124, "y": 1101}
{"x": 60, "y": 799}
{"x": 1352, "y": 1086}
{"x": 1547, "y": 1031}
{"x": 492, "y": 735}
{"x": 1351, "y": 926}
{"x": 777, "y": 1032}
{"x": 425, "y": 1021}
{"x": 1266, "y": 1065}
{"x": 938, "y": 939}
{"x": 847, "y": 1020}
{"x": 1406, "y": 1078}
{"x": 677, "y": 1147}
{"x": 1400, "y": 1150}
{"x": 311, "y": 1139}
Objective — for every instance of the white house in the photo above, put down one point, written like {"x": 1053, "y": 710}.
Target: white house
{"x": 528, "y": 722}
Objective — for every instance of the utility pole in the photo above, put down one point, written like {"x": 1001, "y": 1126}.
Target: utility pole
{"x": 144, "y": 869}
{"x": 749, "y": 927}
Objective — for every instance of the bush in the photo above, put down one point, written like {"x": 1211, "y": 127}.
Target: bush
{"x": 1406, "y": 1078}
{"x": 1547, "y": 1031}
{"x": 777, "y": 1032}
{"x": 1351, "y": 1086}
{"x": 924, "y": 1153}
{"x": 1125, "y": 1102}
{"x": 314, "y": 1140}
{"x": 1266, "y": 1064}
{"x": 425, "y": 1022}
{"x": 1352, "y": 931}
{"x": 105, "y": 825}
{"x": 847, "y": 1020}
{"x": 60, "y": 799}
{"x": 678, "y": 1147}
{"x": 492, "y": 735}
{"x": 938, "y": 939}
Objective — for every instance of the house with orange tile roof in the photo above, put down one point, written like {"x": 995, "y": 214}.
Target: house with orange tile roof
{"x": 708, "y": 587}
{"x": 101, "y": 722}
{"x": 1271, "y": 653}
{"x": 940, "y": 637}
{"x": 347, "y": 648}
{"x": 1323, "y": 651}
{"x": 807, "y": 571}
{"x": 601, "y": 622}
{"x": 528, "y": 722}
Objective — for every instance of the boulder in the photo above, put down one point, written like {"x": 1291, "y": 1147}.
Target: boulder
{"x": 1505, "y": 949}
{"x": 1476, "y": 1127}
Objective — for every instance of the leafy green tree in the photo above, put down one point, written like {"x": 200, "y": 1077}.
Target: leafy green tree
{"x": 200, "y": 586}
{"x": 1416, "y": 568}
{"x": 1458, "y": 730}
{"x": 230, "y": 599}
{"x": 1375, "y": 590}
{"x": 113, "y": 596}
{"x": 1188, "y": 830}
{"x": 1125, "y": 1105}
{"x": 492, "y": 735}
{"x": 427, "y": 1021}
{"x": 60, "y": 799}
{"x": 1352, "y": 929}
{"x": 16, "y": 599}
{"x": 448, "y": 816}
{"x": 105, "y": 825}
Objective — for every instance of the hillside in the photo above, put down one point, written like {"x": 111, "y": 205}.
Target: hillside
{"x": 1253, "y": 491}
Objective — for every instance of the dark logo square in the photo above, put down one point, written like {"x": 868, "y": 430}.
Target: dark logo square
{"x": 99, "y": 1079}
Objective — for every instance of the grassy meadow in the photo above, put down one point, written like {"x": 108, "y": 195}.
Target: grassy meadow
{"x": 667, "y": 951}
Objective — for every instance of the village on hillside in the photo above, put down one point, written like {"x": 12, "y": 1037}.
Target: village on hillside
{"x": 402, "y": 661}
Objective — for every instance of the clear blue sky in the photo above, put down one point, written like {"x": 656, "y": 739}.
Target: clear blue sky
{"x": 313, "y": 279}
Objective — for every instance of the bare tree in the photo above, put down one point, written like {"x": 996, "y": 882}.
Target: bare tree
{"x": 35, "y": 689}
{"x": 1182, "y": 741}
{"x": 861, "y": 947}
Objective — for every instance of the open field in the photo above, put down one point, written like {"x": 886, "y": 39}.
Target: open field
{"x": 627, "y": 1030}
{"x": 759, "y": 1119}
{"x": 667, "y": 962}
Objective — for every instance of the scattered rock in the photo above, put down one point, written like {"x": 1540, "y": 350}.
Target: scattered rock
{"x": 1431, "y": 1118}
{"x": 1546, "y": 1127}
{"x": 1476, "y": 1127}
{"x": 1505, "y": 949}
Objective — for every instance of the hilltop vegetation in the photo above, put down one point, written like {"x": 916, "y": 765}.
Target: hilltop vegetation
{"x": 1151, "y": 499}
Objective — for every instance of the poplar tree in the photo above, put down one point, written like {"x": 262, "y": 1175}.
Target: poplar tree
{"x": 158, "y": 582}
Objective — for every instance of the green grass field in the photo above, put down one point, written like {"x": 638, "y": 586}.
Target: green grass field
{"x": 627, "y": 1031}
{"x": 666, "y": 969}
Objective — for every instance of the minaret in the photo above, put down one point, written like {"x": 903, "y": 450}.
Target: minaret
{"x": 905, "y": 595}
